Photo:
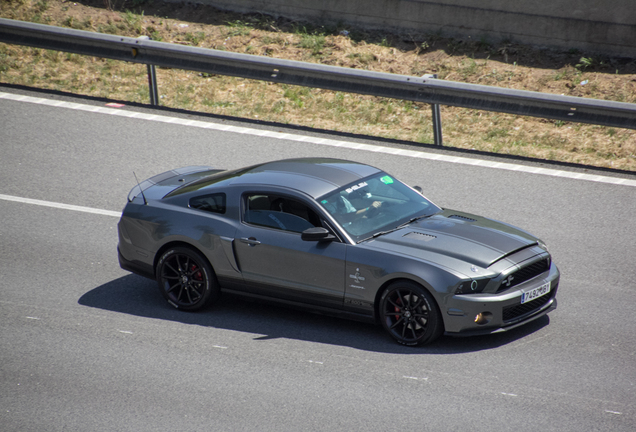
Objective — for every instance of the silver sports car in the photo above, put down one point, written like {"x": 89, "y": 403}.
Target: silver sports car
{"x": 334, "y": 236}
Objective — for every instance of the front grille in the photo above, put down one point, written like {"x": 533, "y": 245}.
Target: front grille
{"x": 525, "y": 274}
{"x": 515, "y": 311}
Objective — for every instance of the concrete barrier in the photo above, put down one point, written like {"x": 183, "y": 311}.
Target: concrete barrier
{"x": 591, "y": 26}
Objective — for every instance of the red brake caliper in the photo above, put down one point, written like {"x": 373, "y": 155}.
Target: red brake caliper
{"x": 198, "y": 276}
{"x": 397, "y": 309}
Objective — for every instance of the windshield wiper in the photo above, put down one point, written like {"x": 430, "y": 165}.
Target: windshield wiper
{"x": 410, "y": 221}
{"x": 380, "y": 233}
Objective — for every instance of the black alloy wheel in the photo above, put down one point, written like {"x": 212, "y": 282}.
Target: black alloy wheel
{"x": 410, "y": 315}
{"x": 186, "y": 279}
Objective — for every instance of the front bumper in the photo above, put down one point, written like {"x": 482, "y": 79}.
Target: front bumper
{"x": 503, "y": 311}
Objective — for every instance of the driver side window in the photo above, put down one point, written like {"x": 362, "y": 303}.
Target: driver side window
{"x": 279, "y": 212}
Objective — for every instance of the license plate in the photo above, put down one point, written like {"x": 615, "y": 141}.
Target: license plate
{"x": 535, "y": 293}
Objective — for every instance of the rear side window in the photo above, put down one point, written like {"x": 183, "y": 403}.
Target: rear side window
{"x": 214, "y": 203}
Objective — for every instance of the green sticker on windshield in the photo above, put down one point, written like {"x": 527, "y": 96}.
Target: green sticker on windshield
{"x": 324, "y": 202}
{"x": 386, "y": 180}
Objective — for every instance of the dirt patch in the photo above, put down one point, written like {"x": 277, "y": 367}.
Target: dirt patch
{"x": 504, "y": 65}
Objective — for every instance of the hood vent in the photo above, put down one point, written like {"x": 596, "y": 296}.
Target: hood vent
{"x": 464, "y": 218}
{"x": 419, "y": 236}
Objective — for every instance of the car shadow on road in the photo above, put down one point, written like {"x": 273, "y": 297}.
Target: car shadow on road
{"x": 138, "y": 296}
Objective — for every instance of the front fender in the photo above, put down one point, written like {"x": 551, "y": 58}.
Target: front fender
{"x": 369, "y": 271}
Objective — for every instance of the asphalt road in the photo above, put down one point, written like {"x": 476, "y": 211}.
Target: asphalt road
{"x": 87, "y": 346}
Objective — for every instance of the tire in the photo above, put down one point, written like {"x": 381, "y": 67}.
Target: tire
{"x": 409, "y": 313}
{"x": 186, "y": 279}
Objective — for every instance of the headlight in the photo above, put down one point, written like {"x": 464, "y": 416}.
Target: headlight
{"x": 473, "y": 286}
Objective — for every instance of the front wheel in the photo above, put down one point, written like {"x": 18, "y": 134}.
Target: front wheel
{"x": 410, "y": 315}
{"x": 186, "y": 279}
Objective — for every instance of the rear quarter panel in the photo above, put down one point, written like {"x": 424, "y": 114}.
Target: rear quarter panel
{"x": 145, "y": 231}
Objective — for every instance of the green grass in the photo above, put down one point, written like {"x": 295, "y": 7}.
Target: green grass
{"x": 496, "y": 133}
{"x": 313, "y": 42}
{"x": 238, "y": 28}
{"x": 194, "y": 38}
{"x": 468, "y": 68}
{"x": 364, "y": 58}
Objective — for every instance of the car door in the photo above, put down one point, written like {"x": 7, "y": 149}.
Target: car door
{"x": 276, "y": 262}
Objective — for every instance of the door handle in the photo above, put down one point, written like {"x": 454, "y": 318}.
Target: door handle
{"x": 250, "y": 241}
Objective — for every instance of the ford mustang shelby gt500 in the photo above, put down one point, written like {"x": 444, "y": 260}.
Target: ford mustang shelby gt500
{"x": 334, "y": 236}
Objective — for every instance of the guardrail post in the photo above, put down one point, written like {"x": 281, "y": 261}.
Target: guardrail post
{"x": 152, "y": 80}
{"x": 437, "y": 125}
{"x": 437, "y": 119}
{"x": 152, "y": 85}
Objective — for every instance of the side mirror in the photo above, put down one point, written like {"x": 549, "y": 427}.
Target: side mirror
{"x": 419, "y": 189}
{"x": 317, "y": 234}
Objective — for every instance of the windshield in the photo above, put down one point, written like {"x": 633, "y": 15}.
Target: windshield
{"x": 378, "y": 203}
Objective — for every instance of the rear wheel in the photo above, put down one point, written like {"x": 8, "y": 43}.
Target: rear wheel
{"x": 409, "y": 313}
{"x": 186, "y": 279}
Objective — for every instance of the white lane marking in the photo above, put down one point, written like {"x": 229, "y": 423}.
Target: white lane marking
{"x": 219, "y": 347}
{"x": 316, "y": 362}
{"x": 509, "y": 394}
{"x": 613, "y": 412}
{"x": 327, "y": 142}
{"x": 125, "y": 332}
{"x": 60, "y": 205}
{"x": 33, "y": 318}
{"x": 415, "y": 378}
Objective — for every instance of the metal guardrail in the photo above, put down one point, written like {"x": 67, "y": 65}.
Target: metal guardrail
{"x": 419, "y": 89}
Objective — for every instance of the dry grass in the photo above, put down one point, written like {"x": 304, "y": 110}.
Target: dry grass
{"x": 504, "y": 65}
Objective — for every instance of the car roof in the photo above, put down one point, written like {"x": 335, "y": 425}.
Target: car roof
{"x": 313, "y": 176}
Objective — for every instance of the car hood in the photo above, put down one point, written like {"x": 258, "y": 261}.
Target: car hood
{"x": 473, "y": 239}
